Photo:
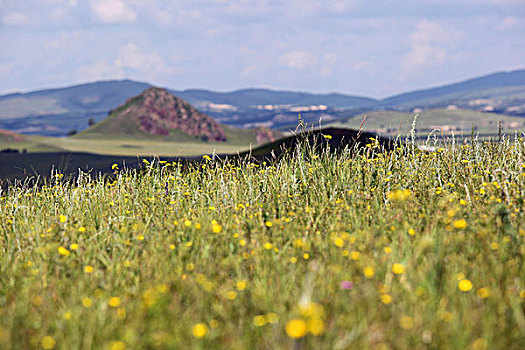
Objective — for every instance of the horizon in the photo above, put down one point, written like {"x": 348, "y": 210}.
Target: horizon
{"x": 2, "y": 94}
{"x": 352, "y": 47}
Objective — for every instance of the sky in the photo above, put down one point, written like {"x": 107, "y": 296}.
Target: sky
{"x": 372, "y": 48}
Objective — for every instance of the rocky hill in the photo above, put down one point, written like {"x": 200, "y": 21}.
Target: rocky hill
{"x": 156, "y": 112}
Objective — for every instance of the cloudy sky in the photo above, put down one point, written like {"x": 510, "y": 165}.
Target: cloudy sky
{"x": 365, "y": 47}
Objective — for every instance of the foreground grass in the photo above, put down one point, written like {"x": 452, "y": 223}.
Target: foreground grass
{"x": 398, "y": 250}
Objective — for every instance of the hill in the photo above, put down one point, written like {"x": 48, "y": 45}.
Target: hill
{"x": 504, "y": 92}
{"x": 158, "y": 114}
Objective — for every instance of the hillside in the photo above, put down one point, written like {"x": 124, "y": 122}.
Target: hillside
{"x": 157, "y": 114}
{"x": 504, "y": 92}
{"x": 447, "y": 120}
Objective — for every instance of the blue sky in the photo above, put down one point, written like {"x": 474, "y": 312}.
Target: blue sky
{"x": 365, "y": 47}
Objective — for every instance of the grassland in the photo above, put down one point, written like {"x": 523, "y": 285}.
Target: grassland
{"x": 366, "y": 250}
{"x": 122, "y": 146}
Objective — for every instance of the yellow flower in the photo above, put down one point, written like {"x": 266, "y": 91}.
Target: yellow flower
{"x": 465, "y": 285}
{"x": 117, "y": 345}
{"x": 81, "y": 229}
{"x": 88, "y": 269}
{"x": 354, "y": 255}
{"x": 315, "y": 326}
{"x": 296, "y": 329}
{"x": 460, "y": 224}
{"x": 386, "y": 298}
{"x": 241, "y": 285}
{"x": 86, "y": 302}
{"x": 269, "y": 224}
{"x": 411, "y": 231}
{"x": 406, "y": 322}
{"x": 259, "y": 321}
{"x": 339, "y": 242}
{"x": 62, "y": 218}
{"x": 216, "y": 228}
{"x": 368, "y": 272}
{"x": 267, "y": 246}
{"x": 231, "y": 295}
{"x": 199, "y": 330}
{"x": 114, "y": 302}
{"x": 73, "y": 246}
{"x": 306, "y": 256}
{"x": 483, "y": 292}
{"x": 63, "y": 251}
{"x": 398, "y": 269}
{"x": 48, "y": 342}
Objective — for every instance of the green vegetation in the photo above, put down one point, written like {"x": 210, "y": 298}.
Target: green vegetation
{"x": 361, "y": 250}
{"x": 459, "y": 121}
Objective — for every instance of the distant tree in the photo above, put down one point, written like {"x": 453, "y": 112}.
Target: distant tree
{"x": 91, "y": 121}
{"x": 72, "y": 132}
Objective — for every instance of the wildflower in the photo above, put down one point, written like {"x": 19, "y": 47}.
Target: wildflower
{"x": 240, "y": 285}
{"x": 483, "y": 292}
{"x": 346, "y": 285}
{"x": 315, "y": 326}
{"x": 63, "y": 251}
{"x": 267, "y": 246}
{"x": 117, "y": 345}
{"x": 296, "y": 329}
{"x": 81, "y": 229}
{"x": 231, "y": 295}
{"x": 306, "y": 256}
{"x": 62, "y": 218}
{"x": 406, "y": 322}
{"x": 460, "y": 224}
{"x": 398, "y": 269}
{"x": 88, "y": 269}
{"x": 354, "y": 255}
{"x": 216, "y": 228}
{"x": 465, "y": 285}
{"x": 259, "y": 321}
{"x": 339, "y": 242}
{"x": 199, "y": 330}
{"x": 368, "y": 272}
{"x": 269, "y": 224}
{"x": 114, "y": 302}
{"x": 86, "y": 302}
{"x": 48, "y": 342}
{"x": 73, "y": 246}
{"x": 386, "y": 298}
{"x": 411, "y": 231}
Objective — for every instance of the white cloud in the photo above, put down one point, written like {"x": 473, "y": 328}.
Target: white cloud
{"x": 15, "y": 18}
{"x": 113, "y": 11}
{"x": 151, "y": 65}
{"x": 298, "y": 59}
{"x": 430, "y": 46}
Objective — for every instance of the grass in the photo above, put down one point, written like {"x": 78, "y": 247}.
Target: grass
{"x": 366, "y": 250}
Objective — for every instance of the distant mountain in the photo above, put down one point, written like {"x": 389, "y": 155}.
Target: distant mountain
{"x": 247, "y": 98}
{"x": 55, "y": 112}
{"x": 499, "y": 91}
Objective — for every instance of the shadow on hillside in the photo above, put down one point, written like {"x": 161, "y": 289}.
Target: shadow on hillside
{"x": 30, "y": 168}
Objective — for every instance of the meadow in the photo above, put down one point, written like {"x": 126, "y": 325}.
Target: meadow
{"x": 356, "y": 249}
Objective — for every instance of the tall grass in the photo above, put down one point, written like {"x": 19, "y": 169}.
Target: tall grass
{"x": 362, "y": 249}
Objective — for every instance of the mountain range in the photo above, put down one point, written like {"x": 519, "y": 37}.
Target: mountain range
{"x": 55, "y": 112}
